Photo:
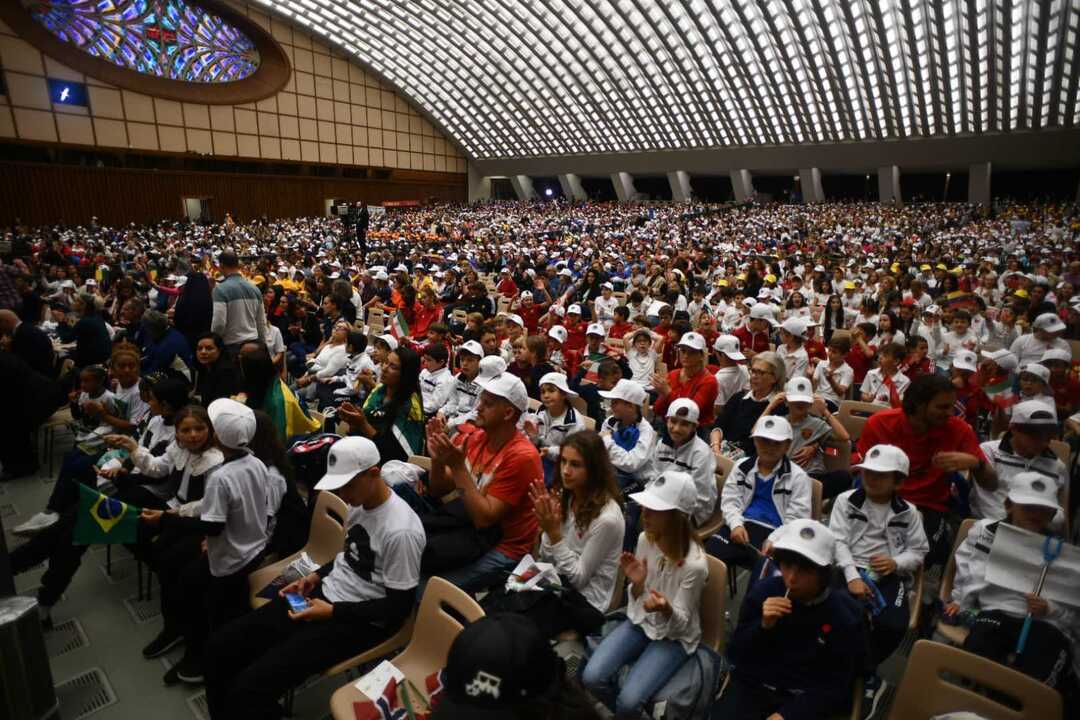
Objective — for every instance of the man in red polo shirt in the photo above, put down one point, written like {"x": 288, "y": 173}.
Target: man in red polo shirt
{"x": 937, "y": 444}
{"x": 693, "y": 380}
{"x": 754, "y": 335}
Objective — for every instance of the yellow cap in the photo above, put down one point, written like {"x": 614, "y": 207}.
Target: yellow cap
{"x": 925, "y": 266}
{"x": 740, "y": 276}
{"x": 895, "y": 267}
{"x": 941, "y": 266}
{"x": 722, "y": 283}
{"x": 1021, "y": 293}
{"x": 770, "y": 278}
{"x": 848, "y": 285}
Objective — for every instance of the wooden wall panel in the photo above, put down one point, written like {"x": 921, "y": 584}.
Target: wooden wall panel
{"x": 41, "y": 194}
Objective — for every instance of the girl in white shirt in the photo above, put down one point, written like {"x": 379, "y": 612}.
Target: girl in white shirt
{"x": 330, "y": 360}
{"x": 556, "y": 420}
{"x": 641, "y": 357}
{"x": 582, "y": 527}
{"x": 666, "y": 577}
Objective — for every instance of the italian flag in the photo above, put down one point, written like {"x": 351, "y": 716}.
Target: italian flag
{"x": 398, "y": 327}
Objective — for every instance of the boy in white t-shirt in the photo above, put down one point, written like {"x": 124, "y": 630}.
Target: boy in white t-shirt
{"x": 885, "y": 384}
{"x": 212, "y": 589}
{"x": 732, "y": 377}
{"x": 352, "y": 603}
{"x": 832, "y": 378}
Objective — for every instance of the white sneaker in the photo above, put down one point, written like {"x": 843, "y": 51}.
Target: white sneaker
{"x": 36, "y": 524}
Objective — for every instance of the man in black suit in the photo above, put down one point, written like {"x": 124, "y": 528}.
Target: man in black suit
{"x": 363, "y": 218}
{"x": 28, "y": 342}
{"x": 30, "y": 399}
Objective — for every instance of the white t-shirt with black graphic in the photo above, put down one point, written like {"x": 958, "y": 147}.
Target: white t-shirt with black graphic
{"x": 382, "y": 550}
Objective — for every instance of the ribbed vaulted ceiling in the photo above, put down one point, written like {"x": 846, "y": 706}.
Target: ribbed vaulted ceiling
{"x": 536, "y": 78}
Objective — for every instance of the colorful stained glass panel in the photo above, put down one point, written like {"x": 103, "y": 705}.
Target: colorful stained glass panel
{"x": 166, "y": 38}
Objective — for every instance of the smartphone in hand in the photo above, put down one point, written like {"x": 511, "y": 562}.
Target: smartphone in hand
{"x": 297, "y": 602}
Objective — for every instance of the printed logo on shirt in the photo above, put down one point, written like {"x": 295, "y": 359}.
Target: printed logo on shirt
{"x": 358, "y": 552}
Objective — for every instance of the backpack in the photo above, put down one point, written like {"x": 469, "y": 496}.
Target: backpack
{"x": 291, "y": 528}
{"x": 308, "y": 459}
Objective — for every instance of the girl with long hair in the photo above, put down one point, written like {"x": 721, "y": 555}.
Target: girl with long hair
{"x": 393, "y": 414}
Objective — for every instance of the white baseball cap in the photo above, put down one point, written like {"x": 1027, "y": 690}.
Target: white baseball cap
{"x": 795, "y": 326}
{"x": 381, "y": 275}
{"x": 684, "y": 409}
{"x": 526, "y": 295}
{"x": 508, "y": 387}
{"x": 1040, "y": 371}
{"x": 1049, "y": 322}
{"x": 558, "y": 332}
{"x": 234, "y": 422}
{"x": 966, "y": 360}
{"x": 558, "y": 380}
{"x": 1004, "y": 359}
{"x": 516, "y": 319}
{"x": 608, "y": 286}
{"x": 389, "y": 340}
{"x": 729, "y": 345}
{"x": 596, "y": 329}
{"x": 799, "y": 389}
{"x": 1032, "y": 488}
{"x": 694, "y": 341}
{"x": 348, "y": 457}
{"x": 1057, "y": 354}
{"x": 1034, "y": 412}
{"x": 574, "y": 309}
{"x": 885, "y": 458}
{"x": 808, "y": 538}
{"x": 763, "y": 311}
{"x": 932, "y": 310}
{"x": 472, "y": 347}
{"x": 772, "y": 427}
{"x": 491, "y": 366}
{"x": 670, "y": 490}
{"x": 627, "y": 391}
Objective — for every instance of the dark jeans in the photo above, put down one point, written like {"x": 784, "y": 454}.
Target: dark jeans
{"x": 55, "y": 545}
{"x": 888, "y": 628}
{"x": 77, "y": 467}
{"x": 193, "y": 601}
{"x": 1046, "y": 655}
{"x": 748, "y": 702}
{"x": 720, "y": 545}
{"x": 253, "y": 660}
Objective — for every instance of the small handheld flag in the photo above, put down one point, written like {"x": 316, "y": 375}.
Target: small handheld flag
{"x": 102, "y": 519}
{"x": 399, "y": 328}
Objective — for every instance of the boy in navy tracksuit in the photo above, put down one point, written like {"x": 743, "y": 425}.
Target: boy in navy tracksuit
{"x": 799, "y": 644}
{"x": 880, "y": 545}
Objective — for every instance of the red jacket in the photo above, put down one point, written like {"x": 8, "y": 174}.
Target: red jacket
{"x": 701, "y": 388}
{"x": 758, "y": 342}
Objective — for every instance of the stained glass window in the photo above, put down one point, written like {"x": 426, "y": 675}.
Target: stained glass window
{"x": 171, "y": 39}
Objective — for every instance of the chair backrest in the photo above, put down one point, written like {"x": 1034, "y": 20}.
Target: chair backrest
{"x": 924, "y": 692}
{"x": 578, "y": 403}
{"x": 435, "y": 630}
{"x": 949, "y": 575}
{"x": 854, "y": 414}
{"x": 1062, "y": 450}
{"x": 713, "y": 601}
{"x": 817, "y": 492}
{"x": 421, "y": 461}
{"x": 327, "y": 535}
{"x": 590, "y": 424}
{"x": 619, "y": 591}
{"x": 841, "y": 459}
{"x": 724, "y": 466}
{"x": 534, "y": 404}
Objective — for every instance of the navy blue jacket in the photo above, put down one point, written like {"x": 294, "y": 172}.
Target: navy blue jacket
{"x": 815, "y": 653}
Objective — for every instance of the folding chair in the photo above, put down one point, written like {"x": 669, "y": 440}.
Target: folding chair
{"x": 713, "y": 603}
{"x": 590, "y": 424}
{"x": 955, "y": 634}
{"x": 579, "y": 405}
{"x": 326, "y": 538}
{"x": 915, "y": 600}
{"x": 534, "y": 405}
{"x": 925, "y": 692}
{"x": 59, "y": 420}
{"x": 854, "y": 414}
{"x": 817, "y": 492}
{"x": 724, "y": 466}
{"x": 433, "y": 633}
{"x": 421, "y": 461}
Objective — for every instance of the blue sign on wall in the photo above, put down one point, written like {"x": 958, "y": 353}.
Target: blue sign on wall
{"x": 65, "y": 92}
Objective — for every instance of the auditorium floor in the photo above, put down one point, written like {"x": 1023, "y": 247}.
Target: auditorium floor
{"x": 100, "y": 626}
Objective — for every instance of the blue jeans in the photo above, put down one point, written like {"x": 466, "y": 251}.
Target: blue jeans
{"x": 654, "y": 662}
{"x": 486, "y": 571}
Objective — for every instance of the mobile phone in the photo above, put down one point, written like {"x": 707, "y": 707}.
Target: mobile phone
{"x": 297, "y": 602}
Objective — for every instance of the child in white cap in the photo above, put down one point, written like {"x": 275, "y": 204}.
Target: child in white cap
{"x": 762, "y": 493}
{"x": 233, "y": 519}
{"x": 680, "y": 448}
{"x": 798, "y": 647}
{"x": 880, "y": 545}
{"x": 555, "y": 420}
{"x": 1000, "y": 612}
{"x": 665, "y": 579}
{"x": 629, "y": 438}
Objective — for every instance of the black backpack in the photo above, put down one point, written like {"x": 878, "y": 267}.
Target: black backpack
{"x": 308, "y": 459}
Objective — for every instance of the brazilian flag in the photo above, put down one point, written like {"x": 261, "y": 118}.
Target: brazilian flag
{"x": 102, "y": 519}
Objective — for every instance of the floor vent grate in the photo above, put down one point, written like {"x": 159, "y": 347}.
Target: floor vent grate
{"x": 85, "y": 694}
{"x": 65, "y": 637}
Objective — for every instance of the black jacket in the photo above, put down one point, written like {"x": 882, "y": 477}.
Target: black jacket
{"x": 33, "y": 345}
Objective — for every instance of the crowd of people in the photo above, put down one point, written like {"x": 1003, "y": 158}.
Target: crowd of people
{"x": 578, "y": 376}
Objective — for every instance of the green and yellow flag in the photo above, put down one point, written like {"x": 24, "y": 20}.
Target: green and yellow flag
{"x": 102, "y": 519}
